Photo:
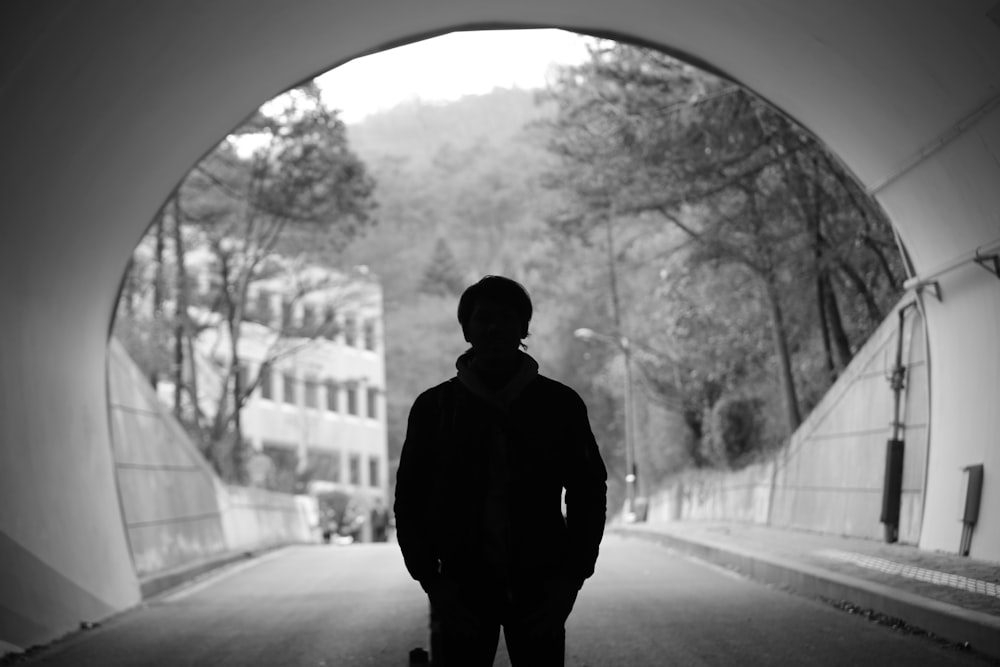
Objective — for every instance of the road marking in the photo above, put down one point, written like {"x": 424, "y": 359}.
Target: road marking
{"x": 222, "y": 574}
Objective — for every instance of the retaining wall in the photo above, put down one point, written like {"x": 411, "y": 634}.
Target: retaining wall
{"x": 177, "y": 512}
{"x": 828, "y": 478}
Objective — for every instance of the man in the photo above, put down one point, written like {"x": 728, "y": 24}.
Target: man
{"x": 379, "y": 522}
{"x": 479, "y": 492}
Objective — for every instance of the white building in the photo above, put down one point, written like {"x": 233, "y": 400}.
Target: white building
{"x": 316, "y": 419}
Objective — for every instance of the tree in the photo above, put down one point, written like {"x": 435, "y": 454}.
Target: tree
{"x": 301, "y": 184}
{"x": 442, "y": 276}
{"x": 649, "y": 140}
{"x": 736, "y": 428}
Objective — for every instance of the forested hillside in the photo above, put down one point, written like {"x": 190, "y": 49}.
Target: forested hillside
{"x": 459, "y": 195}
{"x": 637, "y": 197}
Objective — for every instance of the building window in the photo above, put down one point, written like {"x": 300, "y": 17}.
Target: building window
{"x": 369, "y": 335}
{"x": 372, "y": 400}
{"x": 324, "y": 464}
{"x": 355, "y": 469}
{"x": 242, "y": 375}
{"x": 329, "y": 323}
{"x": 352, "y": 399}
{"x": 262, "y": 307}
{"x": 308, "y": 318}
{"x": 282, "y": 474}
{"x": 350, "y": 331}
{"x": 331, "y": 396}
{"x": 266, "y": 382}
{"x": 286, "y": 314}
{"x": 312, "y": 393}
{"x": 373, "y": 471}
{"x": 288, "y": 388}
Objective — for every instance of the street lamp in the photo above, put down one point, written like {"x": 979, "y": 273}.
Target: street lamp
{"x": 625, "y": 345}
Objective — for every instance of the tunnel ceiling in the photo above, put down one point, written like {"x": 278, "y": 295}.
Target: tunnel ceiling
{"x": 124, "y": 97}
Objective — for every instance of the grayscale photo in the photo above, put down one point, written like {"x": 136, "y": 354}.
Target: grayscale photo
{"x": 456, "y": 333}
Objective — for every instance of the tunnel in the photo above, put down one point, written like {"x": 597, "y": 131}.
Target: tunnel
{"x": 105, "y": 105}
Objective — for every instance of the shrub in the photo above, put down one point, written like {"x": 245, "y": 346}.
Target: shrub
{"x": 736, "y": 430}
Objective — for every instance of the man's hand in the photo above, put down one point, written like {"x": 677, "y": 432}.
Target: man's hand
{"x": 558, "y": 597}
{"x": 449, "y": 604}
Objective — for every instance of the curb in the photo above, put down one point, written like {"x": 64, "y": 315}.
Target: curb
{"x": 163, "y": 582}
{"x": 981, "y": 631}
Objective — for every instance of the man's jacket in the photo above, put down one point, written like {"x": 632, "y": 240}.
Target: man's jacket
{"x": 481, "y": 477}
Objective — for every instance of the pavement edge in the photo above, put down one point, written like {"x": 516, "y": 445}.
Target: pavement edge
{"x": 981, "y": 631}
{"x": 165, "y": 582}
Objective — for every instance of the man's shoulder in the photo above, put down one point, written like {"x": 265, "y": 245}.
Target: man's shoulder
{"x": 557, "y": 390}
{"x": 435, "y": 394}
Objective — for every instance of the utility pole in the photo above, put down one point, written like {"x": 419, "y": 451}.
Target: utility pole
{"x": 631, "y": 469}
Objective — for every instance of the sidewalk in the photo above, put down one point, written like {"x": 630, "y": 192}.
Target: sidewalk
{"x": 954, "y": 598}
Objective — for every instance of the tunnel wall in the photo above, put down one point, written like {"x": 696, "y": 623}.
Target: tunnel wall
{"x": 829, "y": 476}
{"x": 64, "y": 556}
{"x": 954, "y": 197}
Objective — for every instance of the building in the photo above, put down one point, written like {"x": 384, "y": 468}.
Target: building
{"x": 311, "y": 352}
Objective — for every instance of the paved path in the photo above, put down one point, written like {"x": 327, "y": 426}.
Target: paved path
{"x": 355, "y": 605}
{"x": 930, "y": 574}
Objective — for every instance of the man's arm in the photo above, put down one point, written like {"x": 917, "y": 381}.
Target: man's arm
{"x": 586, "y": 492}
{"x": 414, "y": 484}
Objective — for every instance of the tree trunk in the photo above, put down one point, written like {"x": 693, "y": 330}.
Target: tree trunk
{"x": 824, "y": 327}
{"x": 237, "y": 383}
{"x": 193, "y": 391}
{"x": 780, "y": 336}
{"x": 128, "y": 289}
{"x": 858, "y": 283}
{"x": 181, "y": 315}
{"x": 841, "y": 344}
{"x": 883, "y": 261}
{"x": 158, "y": 293}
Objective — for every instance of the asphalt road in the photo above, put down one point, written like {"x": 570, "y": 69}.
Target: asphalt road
{"x": 319, "y": 605}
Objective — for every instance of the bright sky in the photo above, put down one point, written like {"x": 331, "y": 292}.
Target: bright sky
{"x": 447, "y": 67}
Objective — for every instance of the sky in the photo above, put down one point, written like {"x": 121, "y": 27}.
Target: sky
{"x": 448, "y": 67}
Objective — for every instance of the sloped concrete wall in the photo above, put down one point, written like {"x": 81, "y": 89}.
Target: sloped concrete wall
{"x": 829, "y": 476}
{"x": 168, "y": 492}
{"x": 177, "y": 512}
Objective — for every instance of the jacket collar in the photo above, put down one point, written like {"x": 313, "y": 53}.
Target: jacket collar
{"x": 505, "y": 395}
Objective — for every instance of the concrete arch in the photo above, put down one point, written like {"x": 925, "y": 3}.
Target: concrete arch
{"x": 104, "y": 105}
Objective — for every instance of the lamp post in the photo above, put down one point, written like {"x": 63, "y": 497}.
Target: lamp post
{"x": 631, "y": 471}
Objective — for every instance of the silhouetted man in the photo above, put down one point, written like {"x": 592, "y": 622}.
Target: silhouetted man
{"x": 479, "y": 492}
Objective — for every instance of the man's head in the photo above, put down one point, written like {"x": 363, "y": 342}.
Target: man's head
{"x": 495, "y": 314}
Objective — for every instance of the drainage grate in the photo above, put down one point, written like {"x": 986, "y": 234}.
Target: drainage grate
{"x": 914, "y": 572}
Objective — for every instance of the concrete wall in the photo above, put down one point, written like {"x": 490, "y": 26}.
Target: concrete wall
{"x": 177, "y": 512}
{"x": 255, "y": 518}
{"x": 954, "y": 193}
{"x": 829, "y": 477}
{"x": 64, "y": 555}
{"x": 168, "y": 491}
{"x": 714, "y": 495}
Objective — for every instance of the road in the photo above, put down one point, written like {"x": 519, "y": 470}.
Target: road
{"x": 311, "y": 606}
